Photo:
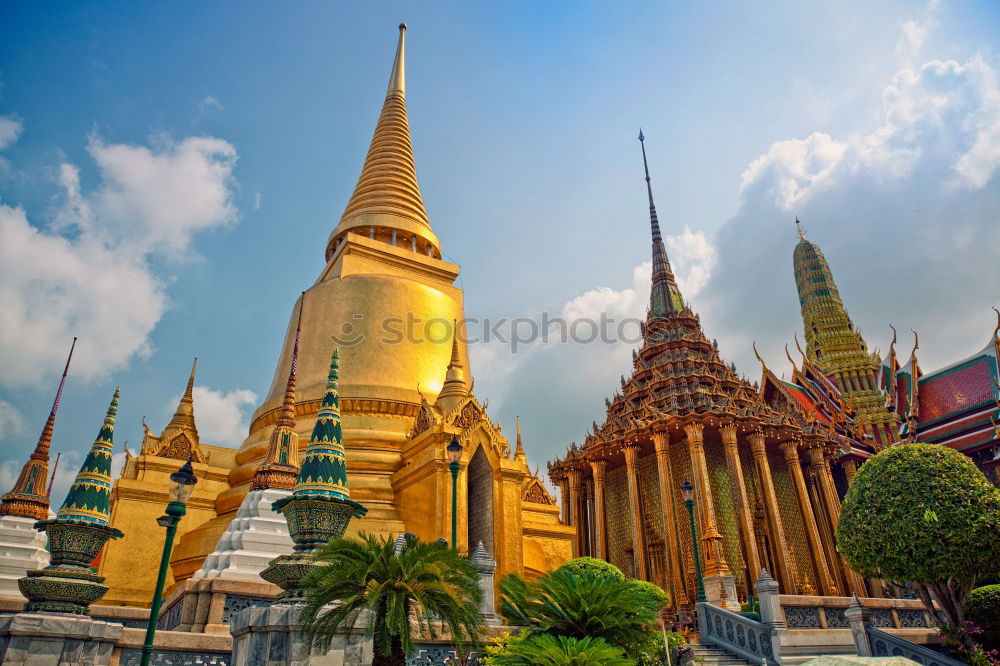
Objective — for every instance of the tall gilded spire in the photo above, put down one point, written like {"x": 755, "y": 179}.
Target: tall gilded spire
{"x": 89, "y": 498}
{"x": 455, "y": 389}
{"x": 280, "y": 466}
{"x": 519, "y": 449}
{"x": 834, "y": 345}
{"x": 29, "y": 497}
{"x": 324, "y": 467}
{"x": 664, "y": 297}
{"x": 387, "y": 199}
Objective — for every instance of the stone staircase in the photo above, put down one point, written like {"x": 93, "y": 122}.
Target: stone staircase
{"x": 713, "y": 656}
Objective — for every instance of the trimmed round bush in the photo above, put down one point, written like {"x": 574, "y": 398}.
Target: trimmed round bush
{"x": 593, "y": 567}
{"x": 982, "y": 607}
{"x": 922, "y": 513}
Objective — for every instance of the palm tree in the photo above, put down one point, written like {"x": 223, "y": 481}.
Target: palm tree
{"x": 564, "y": 603}
{"x": 393, "y": 593}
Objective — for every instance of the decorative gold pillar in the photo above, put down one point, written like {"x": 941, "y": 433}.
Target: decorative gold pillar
{"x": 787, "y": 574}
{"x": 850, "y": 469}
{"x": 564, "y": 497}
{"x": 743, "y": 502}
{"x": 671, "y": 545}
{"x": 791, "y": 450}
{"x": 638, "y": 536}
{"x": 824, "y": 480}
{"x": 600, "y": 518}
{"x": 588, "y": 517}
{"x": 575, "y": 477}
{"x": 713, "y": 551}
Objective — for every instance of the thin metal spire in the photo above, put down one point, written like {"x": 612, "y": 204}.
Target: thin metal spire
{"x": 664, "y": 297}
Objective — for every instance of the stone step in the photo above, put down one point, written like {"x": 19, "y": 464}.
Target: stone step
{"x": 715, "y": 656}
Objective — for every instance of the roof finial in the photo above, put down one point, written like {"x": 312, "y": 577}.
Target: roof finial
{"x": 664, "y": 296}
{"x": 183, "y": 418}
{"x": 757, "y": 354}
{"x": 789, "y": 357}
{"x": 916, "y": 342}
{"x": 997, "y": 329}
{"x": 795, "y": 336}
{"x": 397, "y": 80}
{"x": 519, "y": 449}
{"x": 799, "y": 230}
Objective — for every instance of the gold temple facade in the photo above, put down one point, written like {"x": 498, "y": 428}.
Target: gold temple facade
{"x": 403, "y": 398}
{"x": 761, "y": 469}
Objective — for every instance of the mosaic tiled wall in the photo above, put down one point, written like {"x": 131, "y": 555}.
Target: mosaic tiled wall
{"x": 725, "y": 513}
{"x": 791, "y": 517}
{"x": 618, "y": 518}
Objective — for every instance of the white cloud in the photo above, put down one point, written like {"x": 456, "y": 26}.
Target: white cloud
{"x": 210, "y": 103}
{"x": 10, "y": 130}
{"x": 11, "y": 421}
{"x": 89, "y": 274}
{"x": 913, "y": 32}
{"x": 223, "y": 417}
{"x": 693, "y": 257}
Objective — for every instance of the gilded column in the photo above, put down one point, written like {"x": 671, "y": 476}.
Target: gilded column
{"x": 661, "y": 441}
{"x": 850, "y": 469}
{"x": 713, "y": 552}
{"x": 588, "y": 517}
{"x": 600, "y": 519}
{"x": 824, "y": 479}
{"x": 791, "y": 450}
{"x": 575, "y": 478}
{"x": 743, "y": 508}
{"x": 786, "y": 575}
{"x": 564, "y": 498}
{"x": 638, "y": 536}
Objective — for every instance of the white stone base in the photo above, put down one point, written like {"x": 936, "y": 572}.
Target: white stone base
{"x": 22, "y": 548}
{"x": 40, "y": 638}
{"x": 713, "y": 591}
{"x": 256, "y": 536}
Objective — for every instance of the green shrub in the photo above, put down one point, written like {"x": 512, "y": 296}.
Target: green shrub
{"x": 982, "y": 608}
{"x": 654, "y": 591}
{"x": 549, "y": 650}
{"x": 923, "y": 513}
{"x": 593, "y": 567}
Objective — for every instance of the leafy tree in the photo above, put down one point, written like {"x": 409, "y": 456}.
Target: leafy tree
{"x": 549, "y": 650}
{"x": 562, "y": 603}
{"x": 424, "y": 580}
{"x": 923, "y": 513}
{"x": 656, "y": 593}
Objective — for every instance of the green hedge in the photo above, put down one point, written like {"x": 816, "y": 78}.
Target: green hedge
{"x": 982, "y": 607}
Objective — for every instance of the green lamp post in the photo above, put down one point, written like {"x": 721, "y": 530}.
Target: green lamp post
{"x": 687, "y": 492}
{"x": 183, "y": 480}
{"x": 455, "y": 456}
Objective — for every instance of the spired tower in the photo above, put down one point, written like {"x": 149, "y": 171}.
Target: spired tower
{"x": 388, "y": 300}
{"x": 836, "y": 347}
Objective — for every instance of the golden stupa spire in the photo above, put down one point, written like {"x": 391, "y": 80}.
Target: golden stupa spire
{"x": 30, "y": 497}
{"x": 386, "y": 203}
{"x": 455, "y": 388}
{"x": 280, "y": 467}
{"x": 183, "y": 418}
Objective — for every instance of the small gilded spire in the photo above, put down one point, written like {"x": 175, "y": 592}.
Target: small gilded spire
{"x": 397, "y": 79}
{"x": 324, "y": 466}
{"x": 183, "y": 418}
{"x": 89, "y": 498}
{"x": 280, "y": 466}
{"x": 519, "y": 450}
{"x": 455, "y": 389}
{"x": 664, "y": 297}
{"x": 30, "y": 496}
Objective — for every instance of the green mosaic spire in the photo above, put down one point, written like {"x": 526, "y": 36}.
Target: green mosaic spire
{"x": 324, "y": 468}
{"x": 89, "y": 498}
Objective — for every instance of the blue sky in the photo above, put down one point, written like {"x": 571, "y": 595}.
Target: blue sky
{"x": 169, "y": 174}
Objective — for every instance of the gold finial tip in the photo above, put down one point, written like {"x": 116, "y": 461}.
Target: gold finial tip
{"x": 402, "y": 27}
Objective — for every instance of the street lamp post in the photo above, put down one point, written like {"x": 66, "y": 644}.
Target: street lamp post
{"x": 687, "y": 492}
{"x": 183, "y": 485}
{"x": 455, "y": 456}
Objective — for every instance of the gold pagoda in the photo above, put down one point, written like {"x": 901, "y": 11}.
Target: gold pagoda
{"x": 403, "y": 399}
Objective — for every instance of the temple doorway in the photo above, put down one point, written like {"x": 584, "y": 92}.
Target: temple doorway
{"x": 480, "y": 516}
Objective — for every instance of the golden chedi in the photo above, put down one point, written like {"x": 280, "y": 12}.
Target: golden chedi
{"x": 389, "y": 301}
